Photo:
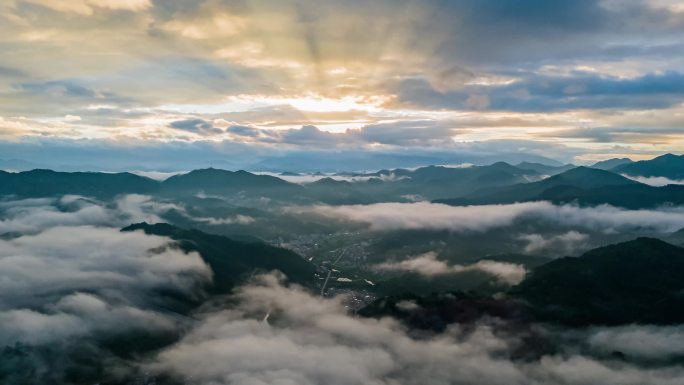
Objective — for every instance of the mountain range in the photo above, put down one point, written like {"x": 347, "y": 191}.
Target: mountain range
{"x": 233, "y": 261}
{"x": 583, "y": 185}
{"x": 667, "y": 166}
{"x": 496, "y": 183}
{"x": 633, "y": 282}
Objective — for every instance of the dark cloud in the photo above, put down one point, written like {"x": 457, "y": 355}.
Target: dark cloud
{"x": 243, "y": 130}
{"x": 307, "y": 135}
{"x": 63, "y": 88}
{"x": 408, "y": 133}
{"x": 546, "y": 93}
{"x": 123, "y": 73}
{"x": 618, "y": 134}
{"x": 197, "y": 126}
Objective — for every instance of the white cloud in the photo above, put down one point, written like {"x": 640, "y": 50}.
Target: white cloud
{"x": 425, "y": 215}
{"x": 158, "y": 175}
{"x": 90, "y": 259}
{"x": 31, "y": 215}
{"x": 309, "y": 178}
{"x": 644, "y": 342}
{"x": 235, "y": 220}
{"x": 657, "y": 181}
{"x": 561, "y": 243}
{"x": 428, "y": 265}
{"x": 88, "y": 7}
{"x": 310, "y": 340}
{"x": 315, "y": 341}
{"x": 68, "y": 279}
{"x": 34, "y": 215}
{"x": 69, "y": 288}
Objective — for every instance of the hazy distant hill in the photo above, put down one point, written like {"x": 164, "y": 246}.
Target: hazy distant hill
{"x": 46, "y": 183}
{"x": 232, "y": 260}
{"x": 669, "y": 166}
{"x": 676, "y": 238}
{"x": 544, "y": 169}
{"x": 333, "y": 191}
{"x": 105, "y": 185}
{"x": 495, "y": 183}
{"x": 429, "y": 182}
{"x": 580, "y": 178}
{"x": 633, "y": 282}
{"x": 329, "y": 161}
{"x": 636, "y": 196}
{"x": 609, "y": 164}
{"x": 216, "y": 181}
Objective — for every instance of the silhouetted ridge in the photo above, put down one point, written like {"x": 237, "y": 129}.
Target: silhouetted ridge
{"x": 639, "y": 281}
{"x": 668, "y": 166}
{"x": 609, "y": 164}
{"x": 583, "y": 185}
{"x": 230, "y": 260}
{"x": 42, "y": 182}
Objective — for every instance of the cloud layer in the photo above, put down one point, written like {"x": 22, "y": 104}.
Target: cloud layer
{"x": 311, "y": 340}
{"x": 432, "y": 216}
{"x": 608, "y": 74}
{"x": 71, "y": 282}
{"x": 37, "y": 214}
{"x": 428, "y": 265}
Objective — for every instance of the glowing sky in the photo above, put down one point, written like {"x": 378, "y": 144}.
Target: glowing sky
{"x": 247, "y": 79}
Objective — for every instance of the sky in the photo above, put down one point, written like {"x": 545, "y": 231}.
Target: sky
{"x": 295, "y": 85}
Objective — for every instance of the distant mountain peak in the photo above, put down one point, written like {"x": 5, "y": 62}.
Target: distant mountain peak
{"x": 647, "y": 243}
{"x": 669, "y": 156}
{"x": 609, "y": 164}
{"x": 587, "y": 177}
{"x": 669, "y": 166}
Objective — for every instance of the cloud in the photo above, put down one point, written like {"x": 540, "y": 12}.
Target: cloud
{"x": 71, "y": 282}
{"x": 344, "y": 152}
{"x": 197, "y": 126}
{"x": 557, "y": 244}
{"x": 307, "y": 339}
{"x": 243, "y": 130}
{"x": 159, "y": 175}
{"x": 424, "y": 215}
{"x": 407, "y": 133}
{"x": 537, "y": 92}
{"x": 71, "y": 289}
{"x": 237, "y": 219}
{"x": 35, "y": 215}
{"x": 657, "y": 181}
{"x": 428, "y": 265}
{"x": 640, "y": 341}
{"x": 308, "y": 135}
{"x": 87, "y": 7}
{"x": 29, "y": 216}
{"x": 38, "y": 268}
{"x": 424, "y": 65}
{"x": 463, "y": 219}
{"x": 323, "y": 344}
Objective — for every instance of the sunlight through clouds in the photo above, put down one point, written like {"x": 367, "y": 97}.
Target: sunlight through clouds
{"x": 346, "y": 66}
